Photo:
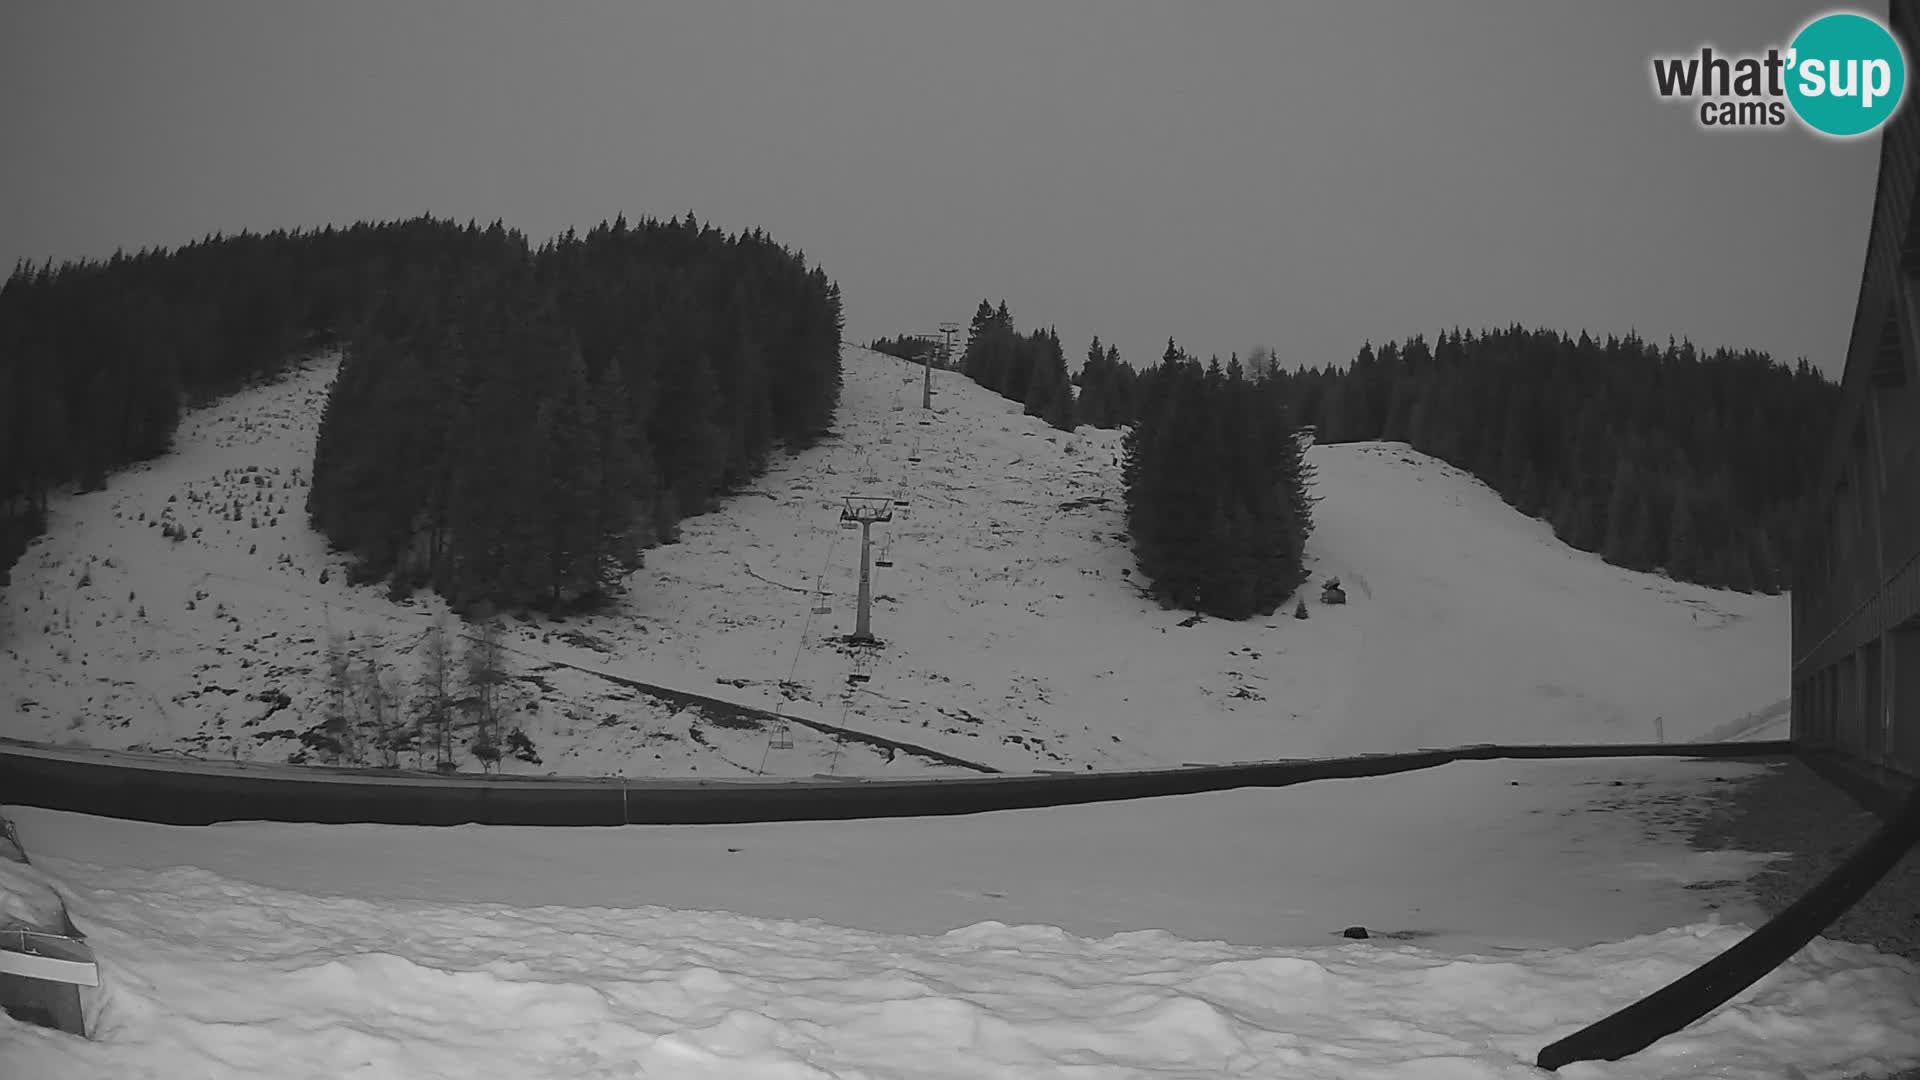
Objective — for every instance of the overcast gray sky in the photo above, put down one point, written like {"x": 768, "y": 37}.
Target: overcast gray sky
{"x": 1308, "y": 175}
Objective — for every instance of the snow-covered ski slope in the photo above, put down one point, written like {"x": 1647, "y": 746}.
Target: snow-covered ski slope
{"x": 1014, "y": 633}
{"x": 1473, "y": 623}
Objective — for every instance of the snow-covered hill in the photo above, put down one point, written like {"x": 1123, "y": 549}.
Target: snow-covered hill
{"x": 1014, "y": 635}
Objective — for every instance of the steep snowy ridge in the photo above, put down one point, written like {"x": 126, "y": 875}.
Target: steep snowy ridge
{"x": 1015, "y": 634}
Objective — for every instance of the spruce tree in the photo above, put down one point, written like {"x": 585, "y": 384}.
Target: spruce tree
{"x": 624, "y": 502}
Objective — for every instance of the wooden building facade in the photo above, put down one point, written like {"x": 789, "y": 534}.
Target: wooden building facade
{"x": 1856, "y": 597}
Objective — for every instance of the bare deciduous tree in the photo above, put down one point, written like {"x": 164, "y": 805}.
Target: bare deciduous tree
{"x": 434, "y": 712}
{"x": 388, "y": 738}
{"x": 338, "y": 722}
{"x": 486, "y": 673}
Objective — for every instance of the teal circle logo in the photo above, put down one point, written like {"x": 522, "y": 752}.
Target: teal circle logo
{"x": 1846, "y": 74}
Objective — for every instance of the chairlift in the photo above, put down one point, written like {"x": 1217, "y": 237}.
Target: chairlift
{"x": 782, "y": 738}
{"x": 823, "y": 609}
{"x": 858, "y": 677}
{"x": 847, "y": 522}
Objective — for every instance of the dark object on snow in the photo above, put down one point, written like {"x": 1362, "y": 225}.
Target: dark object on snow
{"x": 1191, "y": 620}
{"x": 1300, "y": 610}
{"x": 1332, "y": 593}
{"x": 522, "y": 747}
{"x": 1358, "y": 933}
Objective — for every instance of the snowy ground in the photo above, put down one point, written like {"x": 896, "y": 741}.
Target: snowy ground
{"x": 1563, "y": 853}
{"x": 1511, "y": 903}
{"x": 1014, "y": 635}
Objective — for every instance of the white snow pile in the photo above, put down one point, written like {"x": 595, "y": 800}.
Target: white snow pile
{"x": 1016, "y": 634}
{"x": 212, "y": 978}
{"x": 28, "y": 901}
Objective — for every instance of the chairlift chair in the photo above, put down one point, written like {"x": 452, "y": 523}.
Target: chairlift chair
{"x": 862, "y": 668}
{"x": 782, "y": 737}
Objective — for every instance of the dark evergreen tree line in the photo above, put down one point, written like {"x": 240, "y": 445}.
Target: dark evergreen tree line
{"x": 97, "y": 357}
{"x": 1656, "y": 458}
{"x": 557, "y": 411}
{"x": 910, "y": 348}
{"x": 1027, "y": 368}
{"x": 1107, "y": 388}
{"x": 1218, "y": 502}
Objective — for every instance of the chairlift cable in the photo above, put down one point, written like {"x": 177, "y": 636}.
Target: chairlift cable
{"x": 799, "y": 646}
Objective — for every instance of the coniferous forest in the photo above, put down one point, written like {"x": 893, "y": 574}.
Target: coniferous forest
{"x": 1217, "y": 486}
{"x": 98, "y": 358}
{"x": 1670, "y": 459}
{"x": 509, "y": 425}
{"x": 1030, "y": 369}
{"x": 1218, "y": 509}
{"x": 1108, "y": 388}
{"x": 910, "y": 348}
{"x": 1655, "y": 458}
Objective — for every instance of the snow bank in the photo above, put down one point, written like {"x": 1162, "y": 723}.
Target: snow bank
{"x": 208, "y": 977}
{"x": 27, "y": 900}
{"x": 1471, "y": 857}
